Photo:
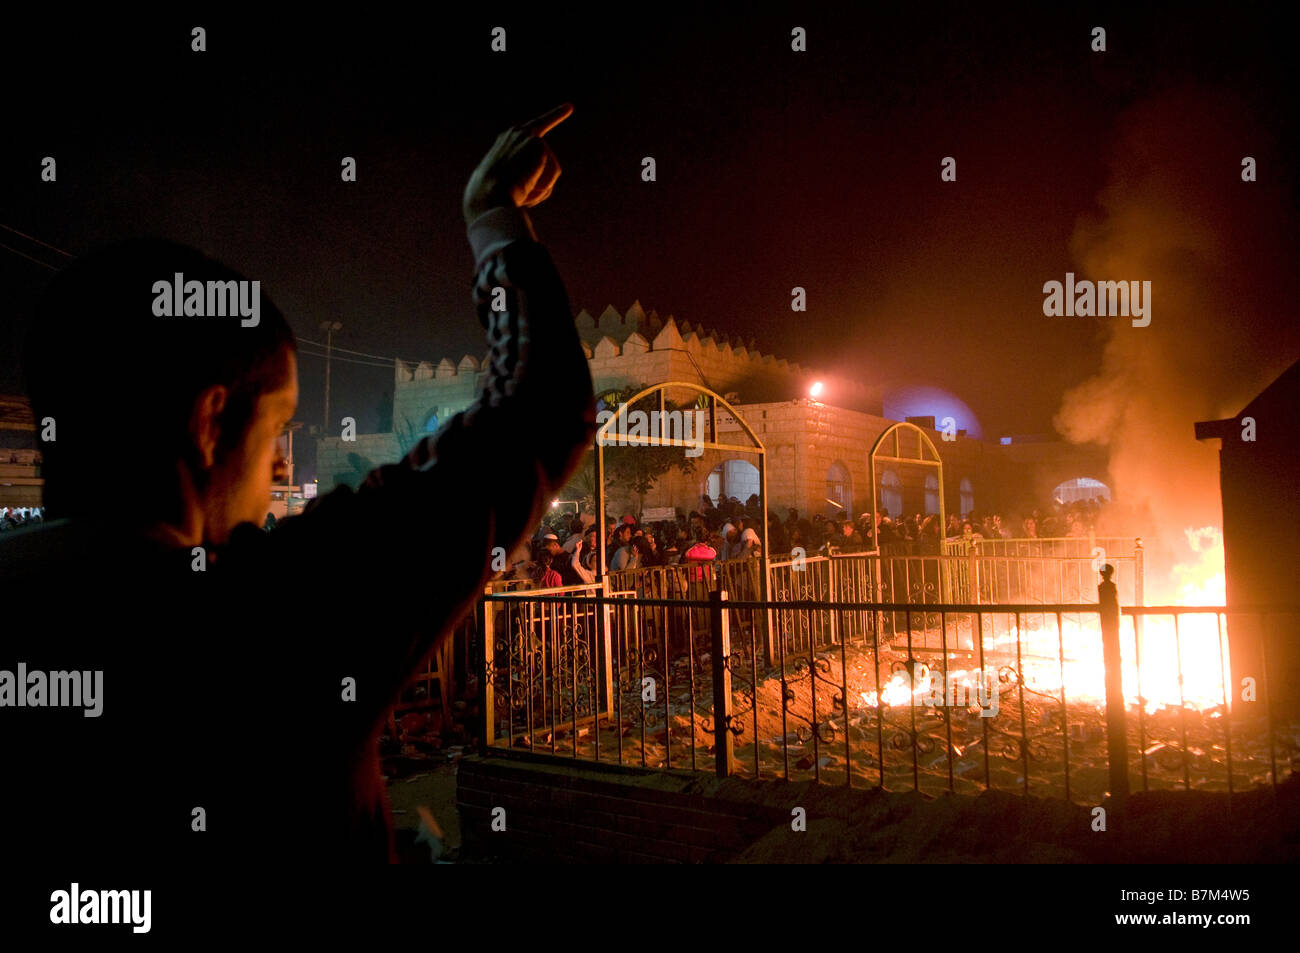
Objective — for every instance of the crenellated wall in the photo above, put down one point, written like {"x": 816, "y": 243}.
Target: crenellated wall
{"x": 804, "y": 438}
{"x": 629, "y": 349}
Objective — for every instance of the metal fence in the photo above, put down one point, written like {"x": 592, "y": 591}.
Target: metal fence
{"x": 958, "y": 697}
{"x": 1048, "y": 570}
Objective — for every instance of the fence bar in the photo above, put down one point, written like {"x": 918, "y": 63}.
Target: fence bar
{"x": 690, "y": 662}
{"x": 1065, "y": 711}
{"x": 880, "y": 702}
{"x": 640, "y": 683}
{"x": 1116, "y": 729}
{"x": 487, "y": 696}
{"x": 844, "y": 696}
{"x": 724, "y": 753}
{"x": 947, "y": 711}
{"x": 984, "y": 722}
{"x": 1024, "y": 728}
{"x": 812, "y": 687}
{"x": 620, "y": 646}
{"x": 597, "y": 668}
{"x": 1142, "y": 702}
{"x": 1227, "y": 713}
{"x": 753, "y": 674}
{"x": 1182, "y": 709}
{"x": 1268, "y": 697}
{"x": 911, "y": 700}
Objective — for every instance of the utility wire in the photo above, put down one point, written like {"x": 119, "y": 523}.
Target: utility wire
{"x": 378, "y": 357}
{"x": 347, "y": 360}
{"x": 9, "y": 228}
{"x": 29, "y": 257}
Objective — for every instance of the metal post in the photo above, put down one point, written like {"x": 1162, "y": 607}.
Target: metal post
{"x": 604, "y": 638}
{"x": 972, "y": 573}
{"x": 724, "y": 753}
{"x": 764, "y": 617}
{"x": 601, "y": 525}
{"x": 1116, "y": 730}
{"x": 487, "y": 691}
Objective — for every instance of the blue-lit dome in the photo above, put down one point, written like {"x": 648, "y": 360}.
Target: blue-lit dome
{"x": 931, "y": 402}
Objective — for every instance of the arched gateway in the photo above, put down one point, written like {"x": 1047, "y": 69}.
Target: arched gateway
{"x": 902, "y": 447}
{"x": 678, "y": 414}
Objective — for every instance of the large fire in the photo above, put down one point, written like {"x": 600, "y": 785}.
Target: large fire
{"x": 1182, "y": 663}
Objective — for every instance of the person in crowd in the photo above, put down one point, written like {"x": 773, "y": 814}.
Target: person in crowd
{"x": 866, "y": 532}
{"x": 560, "y": 562}
{"x": 852, "y": 541}
{"x": 647, "y": 551}
{"x": 576, "y": 529}
{"x": 582, "y": 563}
{"x": 776, "y": 533}
{"x": 928, "y": 537}
{"x": 624, "y": 554}
{"x": 545, "y": 576}
{"x": 745, "y": 541}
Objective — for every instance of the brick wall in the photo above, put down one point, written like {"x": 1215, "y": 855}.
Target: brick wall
{"x": 601, "y": 814}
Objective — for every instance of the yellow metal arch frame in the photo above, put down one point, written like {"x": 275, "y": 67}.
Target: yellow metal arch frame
{"x": 714, "y": 400}
{"x": 923, "y": 443}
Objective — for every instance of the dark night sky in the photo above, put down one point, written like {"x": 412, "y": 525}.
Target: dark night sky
{"x": 775, "y": 169}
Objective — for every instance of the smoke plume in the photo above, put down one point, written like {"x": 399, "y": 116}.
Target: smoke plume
{"x": 1217, "y": 250}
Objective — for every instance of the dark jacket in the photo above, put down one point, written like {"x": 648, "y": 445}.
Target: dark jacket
{"x": 224, "y": 689}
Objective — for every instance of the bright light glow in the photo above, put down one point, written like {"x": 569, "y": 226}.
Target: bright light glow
{"x": 1182, "y": 663}
{"x": 555, "y": 502}
{"x": 815, "y": 390}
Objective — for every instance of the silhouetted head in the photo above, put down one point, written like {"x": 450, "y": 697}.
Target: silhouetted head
{"x": 165, "y": 418}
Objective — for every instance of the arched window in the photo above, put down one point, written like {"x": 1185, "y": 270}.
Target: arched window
{"x": 738, "y": 478}
{"x": 431, "y": 425}
{"x": 839, "y": 491}
{"x": 891, "y": 494}
{"x": 967, "y": 497}
{"x": 931, "y": 494}
{"x": 1081, "y": 488}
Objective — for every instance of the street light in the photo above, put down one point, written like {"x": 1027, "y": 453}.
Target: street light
{"x": 329, "y": 327}
{"x": 815, "y": 391}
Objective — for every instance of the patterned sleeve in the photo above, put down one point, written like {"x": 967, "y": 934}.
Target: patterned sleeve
{"x": 423, "y": 532}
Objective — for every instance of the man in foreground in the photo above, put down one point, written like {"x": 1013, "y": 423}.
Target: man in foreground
{"x": 224, "y": 734}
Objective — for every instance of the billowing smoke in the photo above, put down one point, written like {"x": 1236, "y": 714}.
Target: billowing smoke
{"x": 1218, "y": 252}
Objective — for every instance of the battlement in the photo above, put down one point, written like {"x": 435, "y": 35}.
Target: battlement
{"x": 640, "y": 347}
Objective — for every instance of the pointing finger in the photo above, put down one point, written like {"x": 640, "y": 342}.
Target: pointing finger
{"x": 548, "y": 121}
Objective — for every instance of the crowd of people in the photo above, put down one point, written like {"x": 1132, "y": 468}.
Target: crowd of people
{"x": 564, "y": 551}
{"x": 12, "y": 517}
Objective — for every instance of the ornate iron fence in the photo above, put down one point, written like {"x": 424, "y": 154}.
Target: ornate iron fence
{"x": 959, "y": 697}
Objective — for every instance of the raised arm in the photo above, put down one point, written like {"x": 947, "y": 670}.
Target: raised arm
{"x": 424, "y": 531}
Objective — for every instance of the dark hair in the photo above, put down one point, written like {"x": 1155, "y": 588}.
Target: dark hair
{"x": 114, "y": 375}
